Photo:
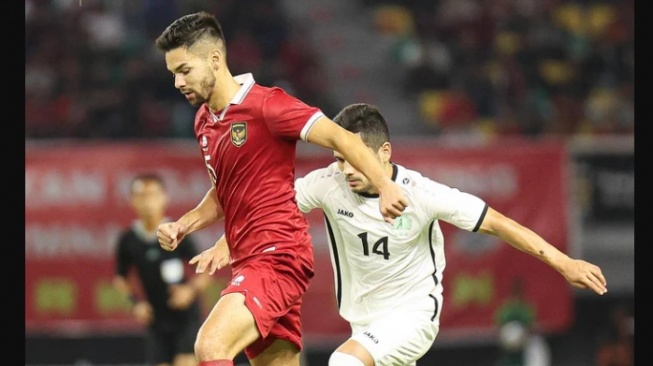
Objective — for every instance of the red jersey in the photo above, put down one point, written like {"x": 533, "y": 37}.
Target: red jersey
{"x": 249, "y": 151}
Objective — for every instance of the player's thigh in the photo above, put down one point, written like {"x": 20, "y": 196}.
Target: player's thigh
{"x": 287, "y": 328}
{"x": 354, "y": 348}
{"x": 397, "y": 340}
{"x": 279, "y": 353}
{"x": 228, "y": 328}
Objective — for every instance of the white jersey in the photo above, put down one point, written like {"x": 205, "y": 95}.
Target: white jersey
{"x": 381, "y": 268}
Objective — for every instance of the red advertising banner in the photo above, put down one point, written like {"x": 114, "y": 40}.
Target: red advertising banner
{"x": 76, "y": 204}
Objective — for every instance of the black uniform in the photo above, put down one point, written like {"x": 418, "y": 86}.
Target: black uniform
{"x": 172, "y": 331}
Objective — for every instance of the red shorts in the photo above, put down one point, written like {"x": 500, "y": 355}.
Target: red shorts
{"x": 273, "y": 285}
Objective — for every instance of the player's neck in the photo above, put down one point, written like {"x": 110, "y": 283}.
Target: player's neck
{"x": 223, "y": 92}
{"x": 389, "y": 169}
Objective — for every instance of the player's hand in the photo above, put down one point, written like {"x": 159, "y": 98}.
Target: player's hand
{"x": 143, "y": 313}
{"x": 181, "y": 296}
{"x": 392, "y": 201}
{"x": 585, "y": 275}
{"x": 170, "y": 234}
{"x": 213, "y": 258}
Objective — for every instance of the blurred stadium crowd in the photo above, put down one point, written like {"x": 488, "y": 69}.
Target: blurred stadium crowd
{"x": 516, "y": 67}
{"x": 528, "y": 67}
{"x": 92, "y": 71}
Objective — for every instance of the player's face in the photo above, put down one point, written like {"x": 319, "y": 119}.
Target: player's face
{"x": 357, "y": 181}
{"x": 149, "y": 200}
{"x": 193, "y": 76}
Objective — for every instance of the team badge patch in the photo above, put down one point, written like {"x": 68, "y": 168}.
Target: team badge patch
{"x": 238, "y": 133}
{"x": 402, "y": 226}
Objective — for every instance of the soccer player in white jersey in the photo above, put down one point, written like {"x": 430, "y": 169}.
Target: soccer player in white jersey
{"x": 388, "y": 277}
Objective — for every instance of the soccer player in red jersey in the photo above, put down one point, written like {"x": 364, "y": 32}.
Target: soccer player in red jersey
{"x": 247, "y": 135}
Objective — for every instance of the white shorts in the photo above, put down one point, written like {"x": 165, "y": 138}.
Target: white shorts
{"x": 399, "y": 340}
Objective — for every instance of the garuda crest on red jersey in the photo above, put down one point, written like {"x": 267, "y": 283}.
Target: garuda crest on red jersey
{"x": 238, "y": 133}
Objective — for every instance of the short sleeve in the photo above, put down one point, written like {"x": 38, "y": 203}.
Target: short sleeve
{"x": 461, "y": 209}
{"x": 287, "y": 116}
{"x": 311, "y": 190}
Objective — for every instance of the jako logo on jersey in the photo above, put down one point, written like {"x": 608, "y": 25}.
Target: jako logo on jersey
{"x": 345, "y": 213}
{"x": 371, "y": 336}
{"x": 205, "y": 143}
{"x": 238, "y": 133}
{"x": 238, "y": 280}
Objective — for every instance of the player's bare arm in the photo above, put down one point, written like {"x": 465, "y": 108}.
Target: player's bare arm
{"x": 330, "y": 135}
{"x": 206, "y": 213}
{"x": 578, "y": 273}
{"x": 213, "y": 258}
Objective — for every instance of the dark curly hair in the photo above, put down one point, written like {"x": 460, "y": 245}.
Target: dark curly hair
{"x": 367, "y": 120}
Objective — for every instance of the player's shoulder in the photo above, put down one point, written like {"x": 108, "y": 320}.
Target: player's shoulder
{"x": 408, "y": 177}
{"x": 125, "y": 236}
{"x": 276, "y": 93}
{"x": 327, "y": 173}
{"x": 329, "y": 176}
{"x": 261, "y": 96}
{"x": 416, "y": 183}
{"x": 258, "y": 91}
{"x": 271, "y": 89}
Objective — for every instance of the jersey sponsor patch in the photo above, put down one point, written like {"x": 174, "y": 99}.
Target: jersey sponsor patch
{"x": 238, "y": 133}
{"x": 402, "y": 226}
{"x": 238, "y": 280}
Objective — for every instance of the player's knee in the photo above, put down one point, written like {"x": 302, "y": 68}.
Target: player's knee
{"x": 200, "y": 345}
{"x": 344, "y": 359}
{"x": 207, "y": 347}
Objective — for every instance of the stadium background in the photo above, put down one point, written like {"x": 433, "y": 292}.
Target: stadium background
{"x": 529, "y": 104}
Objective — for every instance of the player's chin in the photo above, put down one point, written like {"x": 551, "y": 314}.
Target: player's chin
{"x": 195, "y": 102}
{"x": 359, "y": 188}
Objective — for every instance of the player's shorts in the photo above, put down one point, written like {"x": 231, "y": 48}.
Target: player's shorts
{"x": 273, "y": 285}
{"x": 162, "y": 344}
{"x": 400, "y": 339}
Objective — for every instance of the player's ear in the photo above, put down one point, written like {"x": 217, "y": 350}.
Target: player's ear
{"x": 385, "y": 152}
{"x": 216, "y": 57}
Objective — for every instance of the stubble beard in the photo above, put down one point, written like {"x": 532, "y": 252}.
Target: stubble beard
{"x": 364, "y": 189}
{"x": 206, "y": 87}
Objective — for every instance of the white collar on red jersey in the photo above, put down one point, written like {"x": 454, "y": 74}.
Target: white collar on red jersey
{"x": 246, "y": 82}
